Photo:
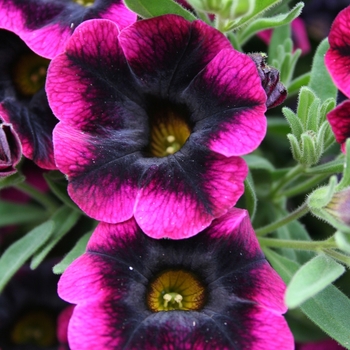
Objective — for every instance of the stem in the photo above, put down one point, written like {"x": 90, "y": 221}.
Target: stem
{"x": 40, "y": 197}
{"x": 290, "y": 176}
{"x": 294, "y": 215}
{"x": 304, "y": 186}
{"x": 338, "y": 256}
{"x": 303, "y": 245}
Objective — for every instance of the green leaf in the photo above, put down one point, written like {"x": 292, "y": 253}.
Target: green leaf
{"x": 329, "y": 309}
{"x": 261, "y": 6}
{"x": 257, "y": 162}
{"x": 154, "y": 8}
{"x": 279, "y": 35}
{"x": 250, "y": 196}
{"x": 270, "y": 22}
{"x": 15, "y": 214}
{"x": 297, "y": 83}
{"x": 77, "y": 250}
{"x": 320, "y": 80}
{"x": 306, "y": 98}
{"x": 65, "y": 218}
{"x": 294, "y": 122}
{"x": 58, "y": 185}
{"x": 343, "y": 241}
{"x": 19, "y": 252}
{"x": 311, "y": 278}
{"x": 11, "y": 180}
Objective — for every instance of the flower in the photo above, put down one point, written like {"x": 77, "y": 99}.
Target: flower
{"x": 29, "y": 306}
{"x": 23, "y": 101}
{"x": 45, "y": 26}
{"x": 211, "y": 291}
{"x": 152, "y": 121}
{"x": 10, "y": 150}
{"x": 337, "y": 60}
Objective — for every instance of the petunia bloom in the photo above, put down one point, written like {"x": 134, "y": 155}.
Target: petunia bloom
{"x": 45, "y": 26}
{"x": 337, "y": 61}
{"x": 10, "y": 150}
{"x": 153, "y": 120}
{"x": 23, "y": 101}
{"x": 29, "y": 306}
{"x": 212, "y": 291}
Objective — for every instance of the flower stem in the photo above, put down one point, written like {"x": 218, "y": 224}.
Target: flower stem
{"x": 290, "y": 176}
{"x": 338, "y": 256}
{"x": 294, "y": 215}
{"x": 294, "y": 244}
{"x": 40, "y": 197}
{"x": 304, "y": 186}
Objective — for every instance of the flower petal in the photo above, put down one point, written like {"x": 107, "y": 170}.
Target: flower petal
{"x": 183, "y": 195}
{"x": 337, "y": 58}
{"x": 34, "y": 124}
{"x": 339, "y": 119}
{"x": 45, "y": 26}
{"x": 228, "y": 94}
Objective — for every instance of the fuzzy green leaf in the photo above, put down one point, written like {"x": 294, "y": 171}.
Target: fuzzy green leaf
{"x": 270, "y": 22}
{"x": 14, "y": 214}
{"x": 20, "y": 251}
{"x": 294, "y": 122}
{"x": 65, "y": 218}
{"x": 311, "y": 278}
{"x": 329, "y": 309}
{"x": 154, "y": 8}
{"x": 320, "y": 80}
{"x": 343, "y": 241}
{"x": 11, "y": 180}
{"x": 250, "y": 196}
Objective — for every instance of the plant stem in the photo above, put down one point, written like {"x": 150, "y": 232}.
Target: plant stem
{"x": 304, "y": 186}
{"x": 290, "y": 176}
{"x": 40, "y": 197}
{"x": 292, "y": 244}
{"x": 294, "y": 215}
{"x": 338, "y": 256}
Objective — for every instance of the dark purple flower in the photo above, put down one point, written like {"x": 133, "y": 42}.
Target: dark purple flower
{"x": 212, "y": 291}
{"x": 152, "y": 121}
{"x": 10, "y": 150}
{"x": 45, "y": 26}
{"x": 29, "y": 307}
{"x": 337, "y": 61}
{"x": 23, "y": 101}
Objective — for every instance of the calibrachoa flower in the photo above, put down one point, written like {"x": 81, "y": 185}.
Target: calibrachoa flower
{"x": 211, "y": 291}
{"x": 337, "y": 62}
{"x": 152, "y": 121}
{"x": 45, "y": 26}
{"x": 23, "y": 101}
{"x": 10, "y": 150}
{"x": 29, "y": 307}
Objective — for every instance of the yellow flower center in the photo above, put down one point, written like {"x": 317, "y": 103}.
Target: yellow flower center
{"x": 35, "y": 328}
{"x": 176, "y": 290}
{"x": 86, "y": 3}
{"x": 29, "y": 73}
{"x": 169, "y": 131}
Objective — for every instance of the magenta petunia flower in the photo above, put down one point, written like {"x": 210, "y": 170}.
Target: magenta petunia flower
{"x": 337, "y": 61}
{"x": 211, "y": 291}
{"x": 152, "y": 121}
{"x": 45, "y": 26}
{"x": 23, "y": 101}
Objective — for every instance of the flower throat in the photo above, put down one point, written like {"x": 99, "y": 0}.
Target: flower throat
{"x": 169, "y": 128}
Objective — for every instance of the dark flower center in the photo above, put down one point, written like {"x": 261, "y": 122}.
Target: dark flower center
{"x": 86, "y": 3}
{"x": 35, "y": 328}
{"x": 169, "y": 128}
{"x": 176, "y": 290}
{"x": 29, "y": 73}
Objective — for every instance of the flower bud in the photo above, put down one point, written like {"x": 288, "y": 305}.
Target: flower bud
{"x": 10, "y": 150}
{"x": 275, "y": 90}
